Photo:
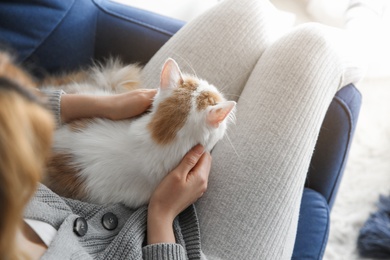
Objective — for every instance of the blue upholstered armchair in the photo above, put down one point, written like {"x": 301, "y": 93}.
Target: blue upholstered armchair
{"x": 73, "y": 33}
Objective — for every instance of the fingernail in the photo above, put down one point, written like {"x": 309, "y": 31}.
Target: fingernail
{"x": 199, "y": 149}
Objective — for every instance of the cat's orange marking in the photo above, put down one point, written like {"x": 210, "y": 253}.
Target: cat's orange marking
{"x": 63, "y": 178}
{"x": 189, "y": 83}
{"x": 172, "y": 113}
{"x": 207, "y": 98}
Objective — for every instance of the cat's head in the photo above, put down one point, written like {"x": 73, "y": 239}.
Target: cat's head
{"x": 188, "y": 109}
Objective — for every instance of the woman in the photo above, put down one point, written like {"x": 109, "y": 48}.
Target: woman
{"x": 251, "y": 208}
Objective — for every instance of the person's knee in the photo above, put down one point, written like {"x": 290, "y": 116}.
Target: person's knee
{"x": 318, "y": 39}
{"x": 335, "y": 45}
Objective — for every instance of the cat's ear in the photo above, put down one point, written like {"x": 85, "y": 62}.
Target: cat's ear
{"x": 219, "y": 112}
{"x": 171, "y": 75}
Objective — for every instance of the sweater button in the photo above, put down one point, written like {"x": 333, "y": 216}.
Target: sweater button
{"x": 80, "y": 226}
{"x": 109, "y": 221}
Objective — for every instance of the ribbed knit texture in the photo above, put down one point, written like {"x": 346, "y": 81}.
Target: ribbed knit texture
{"x": 127, "y": 241}
{"x": 53, "y": 103}
{"x": 222, "y": 45}
{"x": 164, "y": 252}
{"x": 283, "y": 88}
{"x": 259, "y": 180}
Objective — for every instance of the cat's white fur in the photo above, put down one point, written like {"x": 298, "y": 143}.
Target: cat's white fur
{"x": 121, "y": 162}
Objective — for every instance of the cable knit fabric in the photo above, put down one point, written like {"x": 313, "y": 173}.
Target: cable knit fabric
{"x": 126, "y": 241}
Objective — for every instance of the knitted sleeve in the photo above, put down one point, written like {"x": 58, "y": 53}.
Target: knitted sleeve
{"x": 164, "y": 251}
{"x": 53, "y": 103}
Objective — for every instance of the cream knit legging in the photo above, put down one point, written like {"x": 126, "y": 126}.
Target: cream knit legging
{"x": 283, "y": 89}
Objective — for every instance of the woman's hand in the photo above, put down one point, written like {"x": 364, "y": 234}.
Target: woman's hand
{"x": 114, "y": 107}
{"x": 179, "y": 189}
{"x": 128, "y": 104}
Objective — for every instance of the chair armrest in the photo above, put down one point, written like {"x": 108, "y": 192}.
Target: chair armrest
{"x": 313, "y": 227}
{"x": 131, "y": 33}
{"x": 332, "y": 148}
{"x": 49, "y": 35}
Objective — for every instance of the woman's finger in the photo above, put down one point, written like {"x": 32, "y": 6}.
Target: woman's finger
{"x": 200, "y": 173}
{"x": 191, "y": 159}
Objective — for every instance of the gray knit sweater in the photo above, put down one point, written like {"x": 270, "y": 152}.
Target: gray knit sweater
{"x": 126, "y": 241}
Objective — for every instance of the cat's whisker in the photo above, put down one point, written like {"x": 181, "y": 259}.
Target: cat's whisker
{"x": 232, "y": 118}
{"x": 231, "y": 144}
{"x": 227, "y": 86}
{"x": 239, "y": 97}
{"x": 223, "y": 88}
{"x": 188, "y": 64}
{"x": 128, "y": 81}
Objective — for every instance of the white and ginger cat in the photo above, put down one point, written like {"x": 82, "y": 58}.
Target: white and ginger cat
{"x": 104, "y": 161}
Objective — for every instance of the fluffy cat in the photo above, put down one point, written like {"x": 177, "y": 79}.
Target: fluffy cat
{"x": 104, "y": 161}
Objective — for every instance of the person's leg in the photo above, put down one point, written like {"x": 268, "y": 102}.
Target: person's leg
{"x": 251, "y": 208}
{"x": 221, "y": 46}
